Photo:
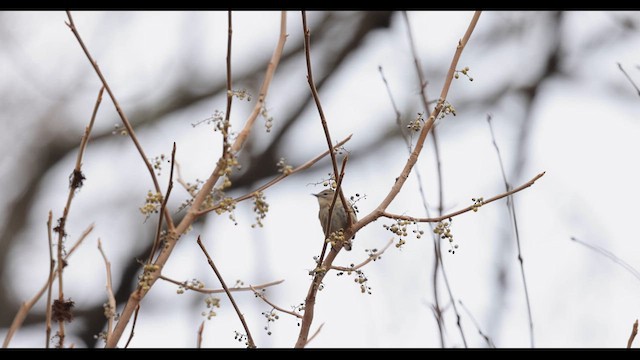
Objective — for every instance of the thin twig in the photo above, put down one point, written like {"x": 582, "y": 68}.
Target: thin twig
{"x": 123, "y": 116}
{"x": 52, "y": 266}
{"x": 611, "y": 256}
{"x": 27, "y": 305}
{"x": 165, "y": 199}
{"x": 629, "y": 78}
{"x": 185, "y": 285}
{"x": 512, "y": 210}
{"x": 372, "y": 257}
{"x": 111, "y": 312}
{"x": 323, "y": 120}
{"x": 634, "y": 332}
{"x": 133, "y": 326}
{"x": 264, "y": 298}
{"x": 464, "y": 210}
{"x": 473, "y": 319}
{"x": 193, "y": 213}
{"x": 279, "y": 178}
{"x": 200, "y": 330}
{"x": 250, "y": 341}
{"x": 393, "y": 192}
{"x": 331, "y": 207}
{"x": 75, "y": 183}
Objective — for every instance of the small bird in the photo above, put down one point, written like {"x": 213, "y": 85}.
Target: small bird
{"x": 338, "y": 216}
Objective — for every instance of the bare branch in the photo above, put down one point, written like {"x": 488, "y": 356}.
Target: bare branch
{"x": 634, "y": 332}
{"x": 52, "y": 266}
{"x": 200, "y": 330}
{"x": 123, "y": 116}
{"x": 163, "y": 206}
{"x": 250, "y": 341}
{"x": 133, "y": 326}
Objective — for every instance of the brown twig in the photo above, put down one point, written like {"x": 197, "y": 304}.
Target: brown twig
{"x": 629, "y": 78}
{"x": 165, "y": 199}
{"x": 372, "y": 257}
{"x": 133, "y": 326}
{"x": 110, "y": 313}
{"x": 123, "y": 116}
{"x": 264, "y": 298}
{"x": 75, "y": 183}
{"x": 200, "y": 330}
{"x": 333, "y": 204}
{"x": 323, "y": 120}
{"x": 251, "y": 344}
{"x": 52, "y": 266}
{"x": 512, "y": 210}
{"x": 219, "y": 291}
{"x": 27, "y": 305}
{"x": 279, "y": 178}
{"x": 634, "y": 332}
{"x": 194, "y": 210}
{"x": 467, "y": 209}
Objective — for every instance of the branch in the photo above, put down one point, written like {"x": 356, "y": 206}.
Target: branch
{"x": 194, "y": 211}
{"x": 123, "y": 116}
{"x": 218, "y": 291}
{"x": 467, "y": 209}
{"x": 330, "y": 212}
{"x": 372, "y": 257}
{"x": 264, "y": 298}
{"x": 200, "y": 330}
{"x": 133, "y": 326}
{"x": 110, "y": 313}
{"x": 27, "y": 305}
{"x": 323, "y": 120}
{"x": 251, "y": 344}
{"x": 52, "y": 267}
{"x": 163, "y": 206}
{"x": 634, "y": 332}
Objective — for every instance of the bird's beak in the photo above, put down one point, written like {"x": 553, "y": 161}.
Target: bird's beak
{"x": 316, "y": 195}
